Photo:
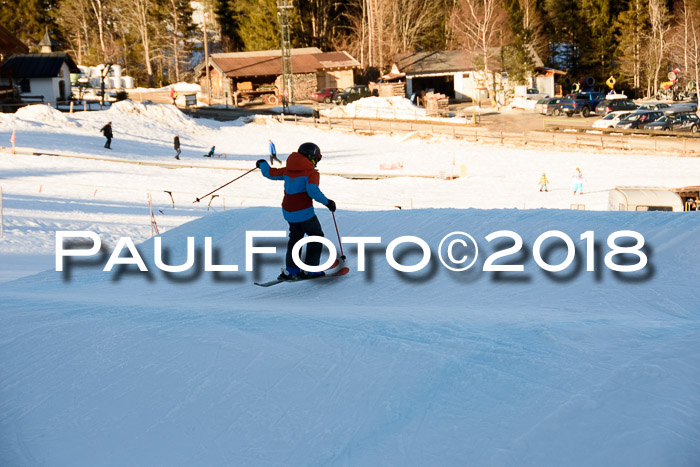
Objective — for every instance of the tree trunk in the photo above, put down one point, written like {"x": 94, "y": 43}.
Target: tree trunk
{"x": 176, "y": 49}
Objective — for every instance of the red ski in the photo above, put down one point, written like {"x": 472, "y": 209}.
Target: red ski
{"x": 331, "y": 272}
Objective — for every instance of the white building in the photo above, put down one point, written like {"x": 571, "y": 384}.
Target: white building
{"x": 459, "y": 74}
{"x": 44, "y": 75}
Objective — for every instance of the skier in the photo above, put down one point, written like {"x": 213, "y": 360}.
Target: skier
{"x": 107, "y": 131}
{"x": 544, "y": 182}
{"x": 211, "y": 152}
{"x": 578, "y": 181}
{"x": 176, "y": 145}
{"x": 273, "y": 152}
{"x": 301, "y": 181}
{"x": 173, "y": 95}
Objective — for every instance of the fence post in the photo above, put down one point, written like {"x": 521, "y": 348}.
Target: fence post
{"x": 684, "y": 140}
{"x": 71, "y": 107}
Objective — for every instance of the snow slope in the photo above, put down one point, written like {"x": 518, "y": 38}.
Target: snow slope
{"x": 376, "y": 368}
{"x": 431, "y": 368}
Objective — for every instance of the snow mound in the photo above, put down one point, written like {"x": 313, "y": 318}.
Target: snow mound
{"x": 378, "y": 107}
{"x": 168, "y": 115}
{"x": 44, "y": 114}
{"x": 187, "y": 87}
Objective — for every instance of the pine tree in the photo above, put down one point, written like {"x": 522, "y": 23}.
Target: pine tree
{"x": 632, "y": 26}
{"x": 29, "y": 19}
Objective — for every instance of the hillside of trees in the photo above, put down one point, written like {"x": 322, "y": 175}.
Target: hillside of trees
{"x": 160, "y": 41}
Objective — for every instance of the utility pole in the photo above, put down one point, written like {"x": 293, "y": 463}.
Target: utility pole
{"x": 283, "y": 8}
{"x": 206, "y": 55}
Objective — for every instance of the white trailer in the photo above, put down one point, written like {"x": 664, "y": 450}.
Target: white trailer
{"x": 635, "y": 198}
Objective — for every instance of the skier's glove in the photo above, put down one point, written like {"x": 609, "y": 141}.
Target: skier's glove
{"x": 331, "y": 205}
{"x": 260, "y": 162}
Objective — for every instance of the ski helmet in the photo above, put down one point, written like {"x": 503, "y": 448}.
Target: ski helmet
{"x": 311, "y": 151}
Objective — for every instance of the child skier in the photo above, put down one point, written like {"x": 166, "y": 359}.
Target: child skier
{"x": 544, "y": 182}
{"x": 273, "y": 152}
{"x": 301, "y": 181}
{"x": 578, "y": 181}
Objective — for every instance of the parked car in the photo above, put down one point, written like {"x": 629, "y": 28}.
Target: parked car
{"x": 325, "y": 95}
{"x": 584, "y": 104}
{"x": 638, "y": 119}
{"x": 533, "y": 93}
{"x": 682, "y": 107}
{"x": 610, "y": 105}
{"x": 676, "y": 122}
{"x": 548, "y": 106}
{"x": 352, "y": 94}
{"x": 654, "y": 106}
{"x": 611, "y": 119}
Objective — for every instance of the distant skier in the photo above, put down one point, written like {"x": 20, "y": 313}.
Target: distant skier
{"x": 301, "y": 181}
{"x": 176, "y": 145}
{"x": 107, "y": 131}
{"x": 578, "y": 181}
{"x": 211, "y": 152}
{"x": 544, "y": 182}
{"x": 273, "y": 152}
{"x": 173, "y": 95}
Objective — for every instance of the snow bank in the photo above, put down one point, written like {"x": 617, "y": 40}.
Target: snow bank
{"x": 165, "y": 114}
{"x": 44, "y": 114}
{"x": 376, "y": 368}
{"x": 187, "y": 87}
{"x": 378, "y": 107}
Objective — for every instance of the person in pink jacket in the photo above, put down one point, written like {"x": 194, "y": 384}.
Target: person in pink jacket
{"x": 578, "y": 181}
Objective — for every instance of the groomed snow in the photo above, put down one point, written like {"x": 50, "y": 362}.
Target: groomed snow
{"x": 375, "y": 368}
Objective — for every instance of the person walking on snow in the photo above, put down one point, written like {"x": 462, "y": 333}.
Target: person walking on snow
{"x": 173, "y": 95}
{"x": 301, "y": 187}
{"x": 273, "y": 152}
{"x": 578, "y": 181}
{"x": 544, "y": 182}
{"x": 107, "y": 131}
{"x": 176, "y": 145}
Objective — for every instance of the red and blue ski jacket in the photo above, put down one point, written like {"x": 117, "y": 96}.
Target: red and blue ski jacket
{"x": 301, "y": 181}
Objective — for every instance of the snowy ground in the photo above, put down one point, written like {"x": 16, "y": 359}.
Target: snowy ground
{"x": 376, "y": 368}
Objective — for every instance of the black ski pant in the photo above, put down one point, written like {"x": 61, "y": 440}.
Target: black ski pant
{"x": 108, "y": 144}
{"x": 297, "y": 230}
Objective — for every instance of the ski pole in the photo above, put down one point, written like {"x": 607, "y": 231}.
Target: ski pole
{"x": 196, "y": 200}
{"x": 342, "y": 255}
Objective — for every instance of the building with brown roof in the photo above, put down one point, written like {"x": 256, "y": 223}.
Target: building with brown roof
{"x": 240, "y": 74}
